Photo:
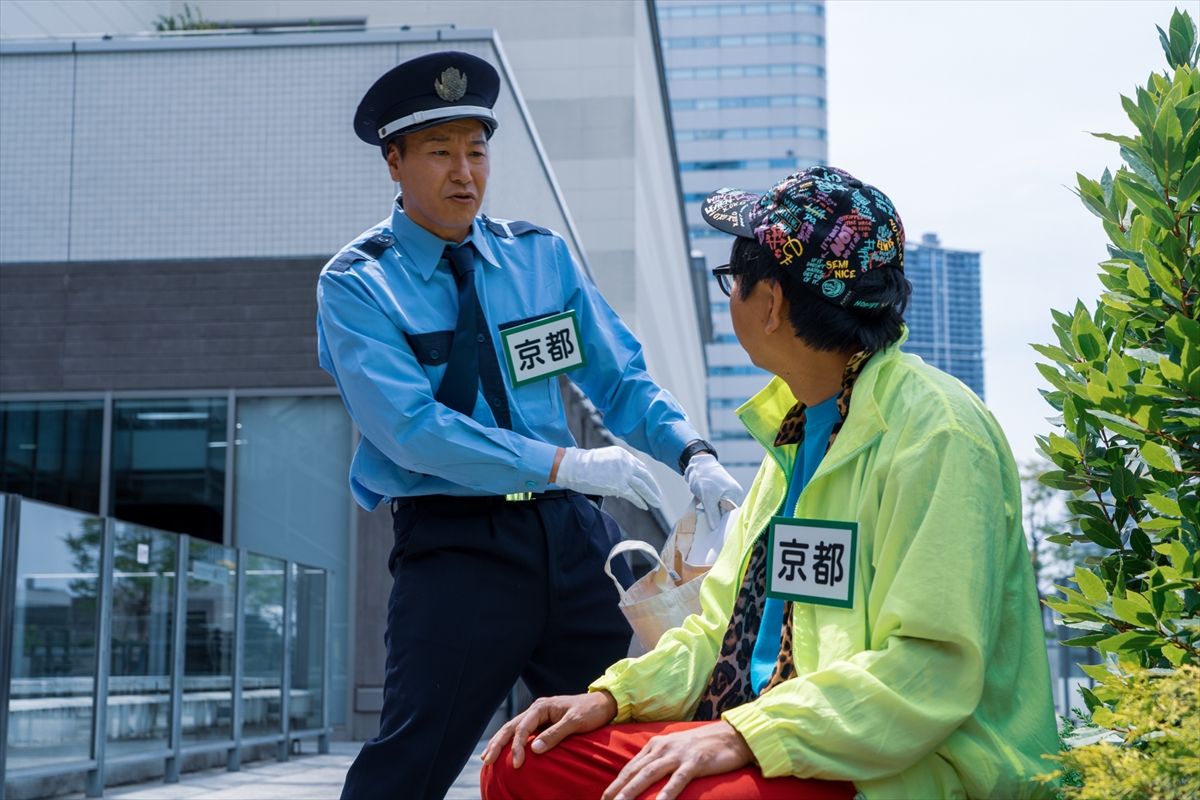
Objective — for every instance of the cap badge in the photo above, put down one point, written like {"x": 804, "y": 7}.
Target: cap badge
{"x": 452, "y": 85}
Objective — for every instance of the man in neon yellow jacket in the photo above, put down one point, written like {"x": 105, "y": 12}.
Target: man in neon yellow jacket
{"x": 929, "y": 679}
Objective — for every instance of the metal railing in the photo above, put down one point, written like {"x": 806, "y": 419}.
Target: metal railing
{"x": 122, "y": 644}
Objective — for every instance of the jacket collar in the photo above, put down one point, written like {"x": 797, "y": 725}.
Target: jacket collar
{"x": 763, "y": 413}
{"x": 424, "y": 249}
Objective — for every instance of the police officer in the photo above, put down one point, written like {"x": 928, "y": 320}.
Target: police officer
{"x": 445, "y": 331}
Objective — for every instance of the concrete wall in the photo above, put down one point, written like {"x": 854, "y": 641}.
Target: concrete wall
{"x": 187, "y": 325}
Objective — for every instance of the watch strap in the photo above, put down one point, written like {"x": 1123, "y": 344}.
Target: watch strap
{"x": 698, "y": 446}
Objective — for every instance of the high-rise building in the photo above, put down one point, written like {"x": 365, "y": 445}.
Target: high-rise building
{"x": 944, "y": 316}
{"x": 747, "y": 92}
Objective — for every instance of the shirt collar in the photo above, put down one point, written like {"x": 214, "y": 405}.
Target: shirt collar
{"x": 424, "y": 249}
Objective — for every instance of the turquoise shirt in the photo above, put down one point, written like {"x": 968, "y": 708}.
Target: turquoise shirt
{"x": 369, "y": 310}
{"x": 818, "y": 425}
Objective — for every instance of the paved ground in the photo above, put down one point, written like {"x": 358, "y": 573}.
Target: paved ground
{"x": 307, "y": 776}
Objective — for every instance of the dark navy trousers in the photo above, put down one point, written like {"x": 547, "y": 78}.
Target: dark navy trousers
{"x": 485, "y": 591}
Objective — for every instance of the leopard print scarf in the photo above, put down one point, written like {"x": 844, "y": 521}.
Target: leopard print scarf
{"x": 730, "y": 686}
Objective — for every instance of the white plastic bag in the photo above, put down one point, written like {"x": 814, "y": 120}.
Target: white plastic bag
{"x": 664, "y": 597}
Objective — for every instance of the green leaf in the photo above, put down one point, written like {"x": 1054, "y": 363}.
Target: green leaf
{"x": 1091, "y": 585}
{"x": 1058, "y": 479}
{"x": 1142, "y": 169}
{"x": 1065, "y": 539}
{"x": 1139, "y": 284}
{"x": 1133, "y": 613}
{"x": 1149, "y": 203}
{"x": 1129, "y": 642}
{"x": 1189, "y": 187}
{"x": 1100, "y": 533}
{"x": 1065, "y": 446}
{"x": 1056, "y": 354}
{"x": 1175, "y": 654}
{"x": 1181, "y": 330}
{"x": 1159, "y": 524}
{"x": 1171, "y": 371}
{"x": 1091, "y": 640}
{"x": 1164, "y": 504}
{"x": 1163, "y": 276}
{"x": 1157, "y": 456}
{"x": 1119, "y": 424}
{"x": 1088, "y": 339}
{"x": 1144, "y": 355}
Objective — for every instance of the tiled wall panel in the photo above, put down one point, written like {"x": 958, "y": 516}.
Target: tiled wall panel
{"x": 35, "y": 156}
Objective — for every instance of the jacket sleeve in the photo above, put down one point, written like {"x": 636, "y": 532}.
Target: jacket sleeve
{"x": 935, "y": 584}
{"x": 615, "y": 379}
{"x": 391, "y": 401}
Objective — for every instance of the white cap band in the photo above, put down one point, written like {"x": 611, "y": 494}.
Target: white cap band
{"x": 436, "y": 113}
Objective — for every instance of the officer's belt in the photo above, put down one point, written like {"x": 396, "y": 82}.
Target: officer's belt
{"x": 479, "y": 502}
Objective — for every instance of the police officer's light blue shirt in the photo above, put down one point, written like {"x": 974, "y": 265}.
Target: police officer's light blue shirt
{"x": 818, "y": 425}
{"x": 413, "y": 445}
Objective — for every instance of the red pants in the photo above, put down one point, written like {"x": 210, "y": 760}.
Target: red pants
{"x": 581, "y": 767}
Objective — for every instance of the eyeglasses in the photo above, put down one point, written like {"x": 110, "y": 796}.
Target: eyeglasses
{"x": 724, "y": 276}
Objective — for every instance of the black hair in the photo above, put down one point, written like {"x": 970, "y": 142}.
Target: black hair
{"x": 398, "y": 140}
{"x": 819, "y": 323}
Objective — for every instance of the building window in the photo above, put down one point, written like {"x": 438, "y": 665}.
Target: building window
{"x": 168, "y": 464}
{"x": 747, "y": 40}
{"x": 740, "y": 10}
{"x": 748, "y": 163}
{"x": 758, "y": 101}
{"x": 731, "y": 134}
{"x": 52, "y": 451}
{"x": 744, "y": 71}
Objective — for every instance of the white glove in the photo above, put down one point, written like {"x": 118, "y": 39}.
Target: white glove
{"x": 709, "y": 481}
{"x": 609, "y": 471}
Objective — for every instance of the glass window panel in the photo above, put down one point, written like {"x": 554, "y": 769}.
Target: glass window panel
{"x": 168, "y": 464}
{"x": 705, "y": 11}
{"x": 707, "y": 105}
{"x": 755, "y": 72}
{"x": 208, "y": 651}
{"x": 143, "y": 611}
{"x": 308, "y": 646}
{"x": 54, "y": 637}
{"x": 52, "y": 451}
{"x": 262, "y": 679}
{"x": 293, "y": 499}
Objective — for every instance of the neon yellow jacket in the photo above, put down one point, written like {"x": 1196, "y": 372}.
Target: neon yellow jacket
{"x": 936, "y": 683}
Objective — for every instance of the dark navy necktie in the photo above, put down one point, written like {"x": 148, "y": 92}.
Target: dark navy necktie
{"x": 472, "y": 356}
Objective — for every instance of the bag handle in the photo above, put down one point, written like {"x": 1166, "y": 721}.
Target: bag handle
{"x": 645, "y": 549}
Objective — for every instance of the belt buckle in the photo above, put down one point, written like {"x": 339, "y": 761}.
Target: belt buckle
{"x": 519, "y": 497}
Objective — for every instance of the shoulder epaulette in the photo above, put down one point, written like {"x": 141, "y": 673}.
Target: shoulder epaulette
{"x": 372, "y": 248}
{"x": 508, "y": 230}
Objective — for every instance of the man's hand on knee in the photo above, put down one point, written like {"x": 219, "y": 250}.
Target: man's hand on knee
{"x": 566, "y": 714}
{"x": 685, "y": 755}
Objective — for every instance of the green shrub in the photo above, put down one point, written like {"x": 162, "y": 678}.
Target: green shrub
{"x": 1126, "y": 380}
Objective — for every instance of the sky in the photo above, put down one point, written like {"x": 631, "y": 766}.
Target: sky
{"x": 974, "y": 118}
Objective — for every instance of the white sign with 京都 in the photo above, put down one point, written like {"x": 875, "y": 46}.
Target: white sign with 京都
{"x": 542, "y": 348}
{"x": 812, "y": 561}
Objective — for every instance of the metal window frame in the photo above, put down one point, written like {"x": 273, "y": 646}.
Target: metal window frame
{"x": 95, "y": 767}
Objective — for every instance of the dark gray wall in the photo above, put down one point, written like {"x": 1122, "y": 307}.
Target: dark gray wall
{"x": 211, "y": 324}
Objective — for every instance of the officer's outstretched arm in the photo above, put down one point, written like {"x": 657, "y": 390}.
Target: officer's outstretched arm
{"x": 389, "y": 397}
{"x": 615, "y": 379}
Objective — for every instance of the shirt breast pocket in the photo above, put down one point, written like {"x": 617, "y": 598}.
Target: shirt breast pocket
{"x": 540, "y": 402}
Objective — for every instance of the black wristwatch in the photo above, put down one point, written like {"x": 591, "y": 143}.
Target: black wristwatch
{"x": 698, "y": 446}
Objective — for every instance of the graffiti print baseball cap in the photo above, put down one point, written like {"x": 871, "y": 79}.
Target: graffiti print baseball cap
{"x": 822, "y": 226}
